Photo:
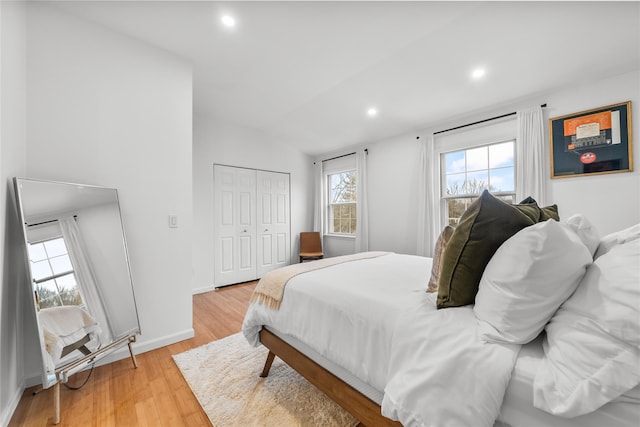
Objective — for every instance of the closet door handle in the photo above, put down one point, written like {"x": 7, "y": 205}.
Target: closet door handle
{"x": 266, "y": 229}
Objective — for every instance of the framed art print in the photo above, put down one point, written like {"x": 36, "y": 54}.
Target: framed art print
{"x": 592, "y": 142}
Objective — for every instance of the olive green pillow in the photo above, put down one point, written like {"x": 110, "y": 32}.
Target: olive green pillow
{"x": 548, "y": 212}
{"x": 531, "y": 210}
{"x": 484, "y": 226}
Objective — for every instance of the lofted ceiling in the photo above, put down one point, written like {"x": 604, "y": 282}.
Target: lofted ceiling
{"x": 307, "y": 72}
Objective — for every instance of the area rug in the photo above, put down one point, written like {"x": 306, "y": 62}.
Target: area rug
{"x": 225, "y": 378}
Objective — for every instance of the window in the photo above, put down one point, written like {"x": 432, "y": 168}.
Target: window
{"x": 466, "y": 173}
{"x": 342, "y": 202}
{"x": 54, "y": 279}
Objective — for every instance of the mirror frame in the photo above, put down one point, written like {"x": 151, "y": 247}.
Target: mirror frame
{"x": 63, "y": 371}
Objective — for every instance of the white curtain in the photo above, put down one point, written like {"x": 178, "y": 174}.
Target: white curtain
{"x": 362, "y": 211}
{"x": 84, "y": 275}
{"x": 428, "y": 204}
{"x": 318, "y": 209}
{"x": 530, "y": 159}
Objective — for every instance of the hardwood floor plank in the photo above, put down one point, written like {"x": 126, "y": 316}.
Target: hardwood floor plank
{"x": 154, "y": 394}
{"x": 147, "y": 414}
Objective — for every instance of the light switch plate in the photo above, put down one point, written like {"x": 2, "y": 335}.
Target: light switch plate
{"x": 173, "y": 221}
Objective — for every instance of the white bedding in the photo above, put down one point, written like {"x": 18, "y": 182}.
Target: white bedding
{"x": 518, "y": 410}
{"x": 376, "y": 321}
{"x": 369, "y": 314}
{"x": 360, "y": 302}
{"x": 447, "y": 377}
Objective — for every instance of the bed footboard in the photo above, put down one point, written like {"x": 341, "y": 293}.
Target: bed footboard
{"x": 361, "y": 407}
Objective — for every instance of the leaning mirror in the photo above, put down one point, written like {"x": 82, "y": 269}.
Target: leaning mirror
{"x": 80, "y": 276}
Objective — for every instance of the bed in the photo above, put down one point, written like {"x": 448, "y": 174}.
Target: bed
{"x": 365, "y": 331}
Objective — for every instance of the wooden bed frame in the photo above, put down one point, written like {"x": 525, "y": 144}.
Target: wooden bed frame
{"x": 361, "y": 407}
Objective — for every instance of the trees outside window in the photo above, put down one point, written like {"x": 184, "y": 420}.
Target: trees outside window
{"x": 467, "y": 173}
{"x": 55, "y": 283}
{"x": 342, "y": 202}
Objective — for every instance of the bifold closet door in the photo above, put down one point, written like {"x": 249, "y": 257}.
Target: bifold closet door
{"x": 235, "y": 225}
{"x": 274, "y": 233}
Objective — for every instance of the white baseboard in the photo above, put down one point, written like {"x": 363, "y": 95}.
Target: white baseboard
{"x": 11, "y": 406}
{"x": 203, "y": 289}
{"x": 34, "y": 378}
{"x": 139, "y": 347}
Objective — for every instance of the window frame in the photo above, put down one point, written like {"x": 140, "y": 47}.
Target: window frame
{"x": 441, "y": 153}
{"x": 329, "y": 231}
{"x": 55, "y": 276}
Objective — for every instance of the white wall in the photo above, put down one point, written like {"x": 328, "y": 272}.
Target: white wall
{"x": 13, "y": 296}
{"x": 226, "y": 144}
{"x": 108, "y": 110}
{"x": 393, "y": 169}
{"x": 610, "y": 201}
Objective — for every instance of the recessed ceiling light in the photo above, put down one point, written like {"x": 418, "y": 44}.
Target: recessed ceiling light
{"x": 371, "y": 112}
{"x": 478, "y": 73}
{"x": 228, "y": 21}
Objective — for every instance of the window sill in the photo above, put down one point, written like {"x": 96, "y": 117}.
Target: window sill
{"x": 341, "y": 236}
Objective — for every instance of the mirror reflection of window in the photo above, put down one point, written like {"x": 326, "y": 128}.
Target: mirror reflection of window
{"x": 79, "y": 274}
{"x": 53, "y": 274}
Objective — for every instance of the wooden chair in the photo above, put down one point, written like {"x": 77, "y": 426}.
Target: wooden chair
{"x": 310, "y": 245}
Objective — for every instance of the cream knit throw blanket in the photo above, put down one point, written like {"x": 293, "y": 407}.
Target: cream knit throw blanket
{"x": 270, "y": 288}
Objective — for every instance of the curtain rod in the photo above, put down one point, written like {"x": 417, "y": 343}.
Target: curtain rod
{"x": 481, "y": 121}
{"x": 366, "y": 151}
{"x": 47, "y": 222}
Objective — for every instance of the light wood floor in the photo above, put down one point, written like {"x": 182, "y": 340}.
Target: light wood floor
{"x": 154, "y": 394}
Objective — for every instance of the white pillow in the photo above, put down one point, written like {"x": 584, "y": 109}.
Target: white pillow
{"x": 527, "y": 279}
{"x": 585, "y": 230}
{"x": 592, "y": 348}
{"x": 617, "y": 238}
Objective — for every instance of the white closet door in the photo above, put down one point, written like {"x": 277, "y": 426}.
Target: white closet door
{"x": 235, "y": 225}
{"x": 274, "y": 231}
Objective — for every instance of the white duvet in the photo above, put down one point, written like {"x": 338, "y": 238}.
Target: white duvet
{"x": 374, "y": 318}
{"x": 441, "y": 374}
